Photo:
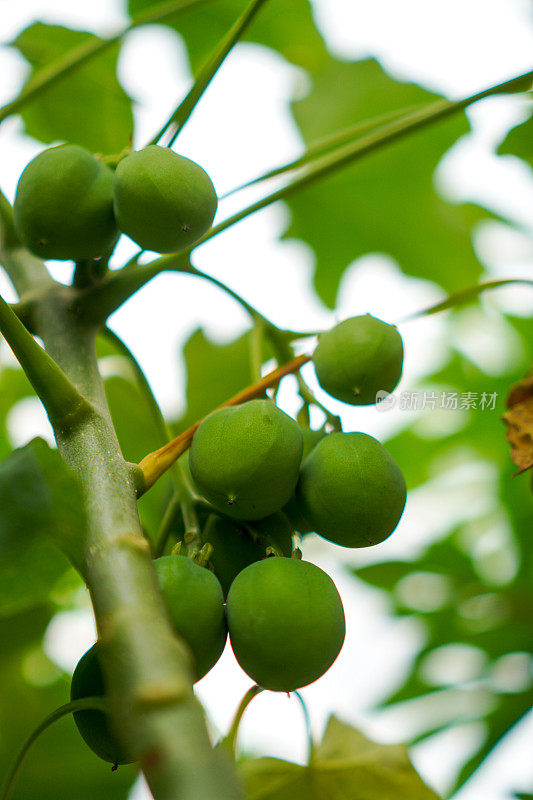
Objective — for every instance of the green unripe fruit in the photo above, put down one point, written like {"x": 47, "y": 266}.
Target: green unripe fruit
{"x": 311, "y": 439}
{"x": 296, "y": 516}
{"x": 195, "y": 604}
{"x": 235, "y": 548}
{"x": 351, "y": 490}
{"x": 163, "y": 201}
{"x": 88, "y": 681}
{"x": 286, "y": 622}
{"x": 359, "y": 358}
{"x": 292, "y": 509}
{"x": 245, "y": 459}
{"x": 64, "y": 205}
{"x": 276, "y": 531}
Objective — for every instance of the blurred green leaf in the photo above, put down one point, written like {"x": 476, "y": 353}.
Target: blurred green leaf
{"x": 519, "y": 141}
{"x": 284, "y": 25}
{"x": 40, "y": 507}
{"x": 89, "y": 107}
{"x": 481, "y": 430}
{"x": 215, "y": 372}
{"x": 14, "y": 386}
{"x": 370, "y": 206}
{"x": 472, "y": 587}
{"x": 345, "y": 766}
{"x": 494, "y": 619}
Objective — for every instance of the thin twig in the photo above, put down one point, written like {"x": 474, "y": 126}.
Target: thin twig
{"x": 156, "y": 464}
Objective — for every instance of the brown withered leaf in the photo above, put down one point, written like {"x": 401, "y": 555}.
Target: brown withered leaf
{"x": 519, "y": 421}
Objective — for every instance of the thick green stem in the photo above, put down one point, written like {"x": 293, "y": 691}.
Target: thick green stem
{"x": 27, "y": 273}
{"x": 148, "y": 669}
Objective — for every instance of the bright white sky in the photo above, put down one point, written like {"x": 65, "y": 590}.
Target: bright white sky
{"x": 241, "y": 129}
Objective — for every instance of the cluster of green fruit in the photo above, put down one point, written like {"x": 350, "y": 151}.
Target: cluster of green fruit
{"x": 70, "y": 205}
{"x": 264, "y": 478}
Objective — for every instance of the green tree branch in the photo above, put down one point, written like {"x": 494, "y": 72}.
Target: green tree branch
{"x": 179, "y": 117}
{"x": 147, "y": 668}
{"x": 466, "y": 296}
{"x": 102, "y": 300}
{"x": 324, "y": 145}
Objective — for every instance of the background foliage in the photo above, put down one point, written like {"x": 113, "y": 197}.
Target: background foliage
{"x": 472, "y": 589}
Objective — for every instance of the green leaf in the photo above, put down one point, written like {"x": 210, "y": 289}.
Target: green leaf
{"x": 89, "y": 107}
{"x": 14, "y": 386}
{"x": 345, "y": 766}
{"x": 284, "y": 25}
{"x": 368, "y": 207}
{"x": 474, "y": 612}
{"x": 508, "y": 713}
{"x": 519, "y": 142}
{"x": 40, "y": 508}
{"x": 477, "y": 609}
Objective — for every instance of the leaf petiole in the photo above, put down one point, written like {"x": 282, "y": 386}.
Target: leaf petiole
{"x": 97, "y": 703}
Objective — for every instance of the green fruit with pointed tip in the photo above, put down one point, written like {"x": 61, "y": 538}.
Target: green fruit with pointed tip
{"x": 359, "y": 358}
{"x": 195, "y": 604}
{"x": 351, "y": 490}
{"x": 88, "y": 681}
{"x": 163, "y": 201}
{"x": 245, "y": 459}
{"x": 236, "y": 546}
{"x": 64, "y": 205}
{"x": 286, "y": 622}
